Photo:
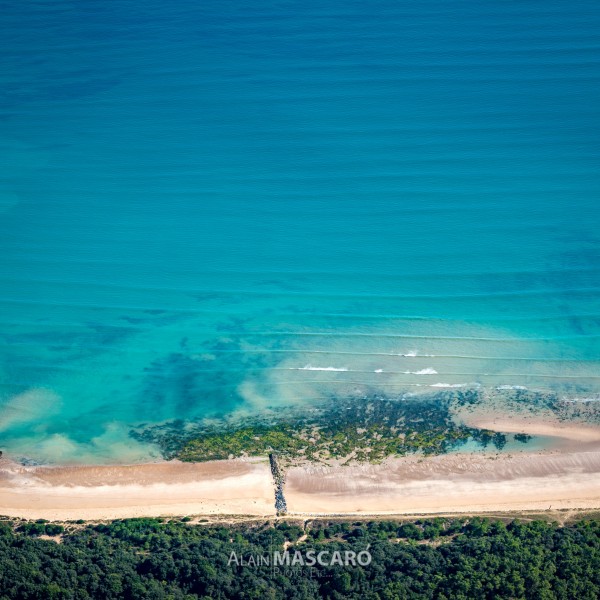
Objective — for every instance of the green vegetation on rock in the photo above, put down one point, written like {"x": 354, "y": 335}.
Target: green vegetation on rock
{"x": 365, "y": 430}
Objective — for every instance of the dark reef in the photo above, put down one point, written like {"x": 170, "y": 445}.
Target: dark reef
{"x": 364, "y": 429}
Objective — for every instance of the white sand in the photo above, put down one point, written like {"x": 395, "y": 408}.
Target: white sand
{"x": 449, "y": 483}
{"x": 174, "y": 488}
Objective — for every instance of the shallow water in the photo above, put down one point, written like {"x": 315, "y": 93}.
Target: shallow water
{"x": 205, "y": 209}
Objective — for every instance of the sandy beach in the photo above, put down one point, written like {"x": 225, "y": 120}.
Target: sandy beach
{"x": 241, "y": 487}
{"x": 450, "y": 484}
{"x": 564, "y": 477}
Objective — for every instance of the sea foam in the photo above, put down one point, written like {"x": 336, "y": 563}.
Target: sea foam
{"x": 511, "y": 387}
{"x": 426, "y": 371}
{"x": 448, "y": 385}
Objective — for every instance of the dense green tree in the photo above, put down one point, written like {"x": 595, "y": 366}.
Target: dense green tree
{"x": 439, "y": 559}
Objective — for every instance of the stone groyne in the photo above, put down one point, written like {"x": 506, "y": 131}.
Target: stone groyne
{"x": 279, "y": 482}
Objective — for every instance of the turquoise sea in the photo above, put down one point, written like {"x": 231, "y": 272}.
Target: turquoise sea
{"x": 215, "y": 208}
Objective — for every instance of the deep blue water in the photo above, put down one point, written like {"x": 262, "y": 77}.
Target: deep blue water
{"x": 218, "y": 207}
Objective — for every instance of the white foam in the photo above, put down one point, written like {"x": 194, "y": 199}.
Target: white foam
{"x": 378, "y": 371}
{"x": 426, "y": 371}
{"x": 311, "y": 368}
{"x": 511, "y": 387}
{"x": 448, "y": 385}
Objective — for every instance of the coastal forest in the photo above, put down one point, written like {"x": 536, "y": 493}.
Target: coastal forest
{"x": 182, "y": 559}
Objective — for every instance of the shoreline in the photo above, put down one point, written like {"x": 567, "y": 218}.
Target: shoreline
{"x": 565, "y": 477}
